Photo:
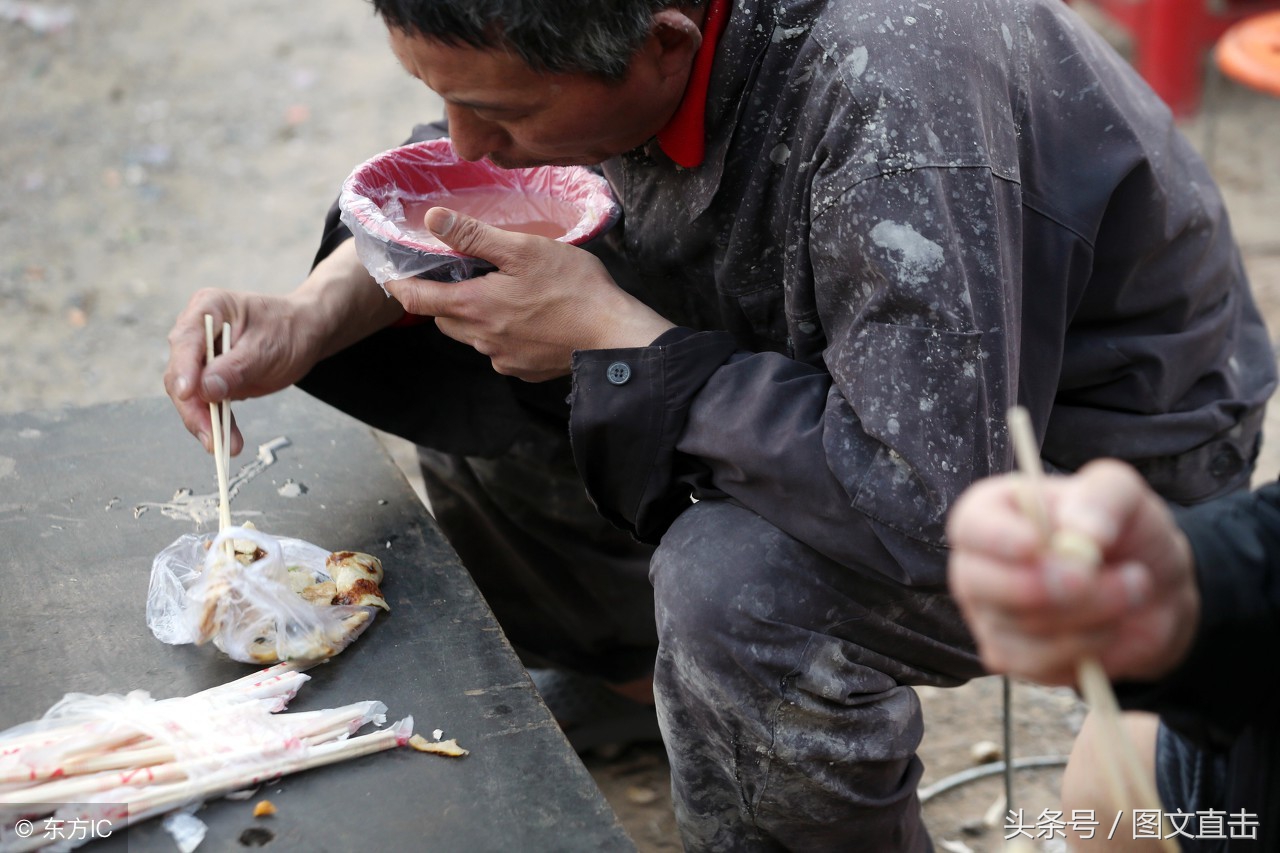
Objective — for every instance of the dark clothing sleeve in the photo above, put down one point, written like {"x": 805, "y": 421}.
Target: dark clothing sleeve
{"x": 628, "y": 408}
{"x": 1225, "y": 684}
{"x": 699, "y": 419}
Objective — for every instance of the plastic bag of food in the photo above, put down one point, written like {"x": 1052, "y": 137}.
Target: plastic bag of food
{"x": 272, "y": 599}
{"x": 384, "y": 200}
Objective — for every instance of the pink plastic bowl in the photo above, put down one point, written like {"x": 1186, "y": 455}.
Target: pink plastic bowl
{"x": 384, "y": 199}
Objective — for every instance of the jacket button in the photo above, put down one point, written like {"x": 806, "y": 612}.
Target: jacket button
{"x": 1225, "y": 462}
{"x": 618, "y": 373}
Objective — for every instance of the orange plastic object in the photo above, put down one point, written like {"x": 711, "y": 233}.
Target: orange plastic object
{"x": 1171, "y": 38}
{"x": 1249, "y": 53}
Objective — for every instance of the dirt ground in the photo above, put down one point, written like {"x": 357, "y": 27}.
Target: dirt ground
{"x": 148, "y": 150}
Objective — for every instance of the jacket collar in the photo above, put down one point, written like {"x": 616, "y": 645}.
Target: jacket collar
{"x": 684, "y": 138}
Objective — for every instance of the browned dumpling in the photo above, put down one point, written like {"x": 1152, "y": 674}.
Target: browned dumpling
{"x": 357, "y": 577}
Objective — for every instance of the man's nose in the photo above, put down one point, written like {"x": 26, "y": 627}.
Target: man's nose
{"x": 473, "y": 137}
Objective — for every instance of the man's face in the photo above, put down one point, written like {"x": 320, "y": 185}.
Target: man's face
{"x": 500, "y": 108}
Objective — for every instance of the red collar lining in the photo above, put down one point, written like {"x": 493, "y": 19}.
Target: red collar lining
{"x": 684, "y": 138}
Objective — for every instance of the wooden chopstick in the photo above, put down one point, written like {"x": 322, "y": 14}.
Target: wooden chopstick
{"x": 1119, "y": 756}
{"x": 220, "y": 426}
{"x": 226, "y": 436}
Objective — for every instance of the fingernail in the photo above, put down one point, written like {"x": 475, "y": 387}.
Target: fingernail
{"x": 203, "y": 438}
{"x": 215, "y": 387}
{"x": 1065, "y": 578}
{"x": 182, "y": 387}
{"x": 440, "y": 221}
{"x": 1088, "y": 521}
{"x": 1136, "y": 583}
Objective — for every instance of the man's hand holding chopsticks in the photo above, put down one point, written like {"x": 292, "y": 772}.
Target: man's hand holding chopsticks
{"x": 277, "y": 339}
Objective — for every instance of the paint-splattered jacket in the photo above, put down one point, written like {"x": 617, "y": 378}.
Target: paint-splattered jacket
{"x": 912, "y": 215}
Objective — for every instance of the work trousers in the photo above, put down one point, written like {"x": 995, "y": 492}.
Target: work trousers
{"x": 783, "y": 680}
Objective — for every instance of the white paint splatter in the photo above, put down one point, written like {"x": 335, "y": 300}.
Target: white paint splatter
{"x": 7, "y": 466}
{"x": 291, "y": 489}
{"x": 30, "y": 432}
{"x": 855, "y": 63}
{"x": 917, "y": 256}
{"x": 780, "y": 153}
{"x": 203, "y": 508}
{"x": 1008, "y": 36}
{"x": 784, "y": 33}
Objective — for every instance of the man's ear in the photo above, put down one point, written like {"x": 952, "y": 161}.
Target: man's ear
{"x": 674, "y": 38}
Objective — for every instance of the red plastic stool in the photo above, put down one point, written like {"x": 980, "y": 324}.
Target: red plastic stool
{"x": 1249, "y": 53}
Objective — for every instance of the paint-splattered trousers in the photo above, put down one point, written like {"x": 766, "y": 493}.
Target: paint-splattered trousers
{"x": 783, "y": 680}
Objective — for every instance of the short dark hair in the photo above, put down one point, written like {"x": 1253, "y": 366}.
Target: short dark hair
{"x": 590, "y": 36}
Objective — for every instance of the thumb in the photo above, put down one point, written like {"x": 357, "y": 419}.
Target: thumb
{"x": 470, "y": 236}
{"x": 214, "y": 387}
{"x": 225, "y": 377}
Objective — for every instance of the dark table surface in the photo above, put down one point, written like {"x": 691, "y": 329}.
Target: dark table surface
{"x": 89, "y": 496}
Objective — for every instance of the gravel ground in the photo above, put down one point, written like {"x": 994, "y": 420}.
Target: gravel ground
{"x": 148, "y": 150}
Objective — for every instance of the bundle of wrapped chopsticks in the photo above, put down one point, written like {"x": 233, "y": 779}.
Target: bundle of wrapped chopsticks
{"x": 128, "y": 758}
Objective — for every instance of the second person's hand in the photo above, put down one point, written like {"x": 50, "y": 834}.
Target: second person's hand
{"x": 1036, "y": 614}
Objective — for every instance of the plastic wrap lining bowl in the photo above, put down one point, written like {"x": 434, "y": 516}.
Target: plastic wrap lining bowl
{"x": 384, "y": 200}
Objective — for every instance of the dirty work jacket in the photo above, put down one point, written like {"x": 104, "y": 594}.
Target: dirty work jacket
{"x": 911, "y": 215}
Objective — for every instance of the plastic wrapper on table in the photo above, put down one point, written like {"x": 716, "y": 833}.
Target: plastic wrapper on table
{"x": 105, "y": 762}
{"x": 384, "y": 200}
{"x": 256, "y": 613}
